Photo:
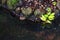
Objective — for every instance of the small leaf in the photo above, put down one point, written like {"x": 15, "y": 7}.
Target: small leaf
{"x": 43, "y": 18}
{"x": 51, "y": 17}
{"x": 54, "y": 3}
{"x": 46, "y": 15}
{"x": 52, "y": 14}
{"x": 48, "y": 9}
{"x": 11, "y": 3}
{"x": 48, "y": 21}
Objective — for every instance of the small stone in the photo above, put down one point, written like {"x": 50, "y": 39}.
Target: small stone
{"x": 17, "y": 9}
{"x": 22, "y": 18}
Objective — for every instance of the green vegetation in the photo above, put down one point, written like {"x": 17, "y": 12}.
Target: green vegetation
{"x": 11, "y": 3}
{"x": 48, "y": 17}
{"x": 48, "y": 9}
{"x": 54, "y": 3}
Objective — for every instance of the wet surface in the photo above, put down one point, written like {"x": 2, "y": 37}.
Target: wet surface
{"x": 13, "y": 29}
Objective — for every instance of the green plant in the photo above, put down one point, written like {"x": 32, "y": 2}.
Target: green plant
{"x": 11, "y": 3}
{"x": 48, "y": 17}
{"x": 54, "y": 3}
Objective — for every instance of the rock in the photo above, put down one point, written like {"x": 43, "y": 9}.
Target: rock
{"x": 58, "y": 4}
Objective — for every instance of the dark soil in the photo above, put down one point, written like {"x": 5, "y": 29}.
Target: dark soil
{"x": 13, "y": 29}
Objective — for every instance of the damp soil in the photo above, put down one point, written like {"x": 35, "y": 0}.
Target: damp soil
{"x": 13, "y": 29}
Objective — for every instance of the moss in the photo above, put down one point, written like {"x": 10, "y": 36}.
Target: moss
{"x": 11, "y": 3}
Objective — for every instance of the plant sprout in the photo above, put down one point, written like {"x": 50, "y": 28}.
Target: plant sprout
{"x": 51, "y": 16}
{"x": 48, "y": 9}
{"x": 47, "y": 18}
{"x": 43, "y": 18}
{"x": 54, "y": 3}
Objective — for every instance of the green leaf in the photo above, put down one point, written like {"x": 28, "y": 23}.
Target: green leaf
{"x": 11, "y": 3}
{"x": 54, "y": 3}
{"x": 51, "y": 17}
{"x": 43, "y": 18}
{"x": 48, "y": 9}
{"x": 52, "y": 14}
{"x": 48, "y": 21}
{"x": 46, "y": 15}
